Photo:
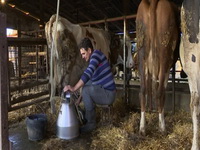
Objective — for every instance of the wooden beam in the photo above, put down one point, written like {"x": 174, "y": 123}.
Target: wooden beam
{"x": 28, "y": 97}
{"x": 29, "y": 85}
{"x": 26, "y": 41}
{"x": 39, "y": 100}
{"x": 34, "y": 53}
{"x": 4, "y": 142}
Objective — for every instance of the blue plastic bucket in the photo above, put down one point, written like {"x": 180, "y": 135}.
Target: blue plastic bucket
{"x": 36, "y": 126}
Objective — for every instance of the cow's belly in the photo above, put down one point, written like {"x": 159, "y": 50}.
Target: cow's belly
{"x": 190, "y": 58}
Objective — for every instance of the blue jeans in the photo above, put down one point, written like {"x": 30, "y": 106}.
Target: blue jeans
{"x": 95, "y": 94}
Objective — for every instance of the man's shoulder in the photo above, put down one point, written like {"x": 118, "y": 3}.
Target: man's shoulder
{"x": 99, "y": 52}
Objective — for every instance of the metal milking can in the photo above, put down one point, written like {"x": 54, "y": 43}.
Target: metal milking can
{"x": 67, "y": 122}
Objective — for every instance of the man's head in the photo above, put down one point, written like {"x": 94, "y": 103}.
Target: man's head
{"x": 86, "y": 48}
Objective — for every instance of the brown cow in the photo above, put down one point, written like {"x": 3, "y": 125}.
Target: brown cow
{"x": 190, "y": 58}
{"x": 157, "y": 35}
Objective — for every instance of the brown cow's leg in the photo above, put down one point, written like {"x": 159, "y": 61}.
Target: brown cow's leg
{"x": 161, "y": 100}
{"x": 143, "y": 104}
{"x": 142, "y": 119}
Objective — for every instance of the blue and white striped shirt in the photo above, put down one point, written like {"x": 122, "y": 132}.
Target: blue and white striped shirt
{"x": 99, "y": 71}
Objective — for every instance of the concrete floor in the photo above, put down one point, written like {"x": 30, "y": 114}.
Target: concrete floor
{"x": 19, "y": 137}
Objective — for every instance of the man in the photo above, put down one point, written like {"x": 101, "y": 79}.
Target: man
{"x": 97, "y": 82}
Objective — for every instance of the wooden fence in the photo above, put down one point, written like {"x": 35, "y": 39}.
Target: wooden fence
{"x": 28, "y": 70}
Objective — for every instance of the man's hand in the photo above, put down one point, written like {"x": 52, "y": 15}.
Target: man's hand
{"x": 78, "y": 85}
{"x": 68, "y": 88}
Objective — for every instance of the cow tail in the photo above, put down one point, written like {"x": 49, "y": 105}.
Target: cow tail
{"x": 52, "y": 63}
{"x": 47, "y": 34}
{"x": 152, "y": 32}
{"x": 154, "y": 55}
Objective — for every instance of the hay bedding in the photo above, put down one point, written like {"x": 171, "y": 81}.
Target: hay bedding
{"x": 122, "y": 133}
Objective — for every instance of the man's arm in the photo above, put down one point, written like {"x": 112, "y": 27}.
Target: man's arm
{"x": 78, "y": 85}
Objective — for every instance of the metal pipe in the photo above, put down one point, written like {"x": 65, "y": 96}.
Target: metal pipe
{"x": 173, "y": 87}
{"x": 125, "y": 94}
{"x": 108, "y": 20}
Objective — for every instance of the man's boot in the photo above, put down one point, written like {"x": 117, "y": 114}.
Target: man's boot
{"x": 91, "y": 122}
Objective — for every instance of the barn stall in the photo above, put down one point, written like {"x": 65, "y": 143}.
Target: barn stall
{"x": 28, "y": 92}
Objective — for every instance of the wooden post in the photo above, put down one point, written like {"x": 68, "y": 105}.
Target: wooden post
{"x": 4, "y": 142}
{"x": 42, "y": 10}
{"x": 37, "y": 61}
{"x": 19, "y": 54}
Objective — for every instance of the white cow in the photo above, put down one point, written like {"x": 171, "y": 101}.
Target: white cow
{"x": 190, "y": 58}
{"x": 66, "y": 62}
{"x": 118, "y": 66}
{"x": 100, "y": 38}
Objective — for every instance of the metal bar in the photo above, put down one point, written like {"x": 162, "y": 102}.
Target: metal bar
{"x": 108, "y": 20}
{"x": 125, "y": 94}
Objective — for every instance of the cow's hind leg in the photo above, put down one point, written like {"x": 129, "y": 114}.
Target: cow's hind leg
{"x": 161, "y": 100}
{"x": 142, "y": 104}
{"x": 195, "y": 119}
{"x": 162, "y": 127}
{"x": 142, "y": 119}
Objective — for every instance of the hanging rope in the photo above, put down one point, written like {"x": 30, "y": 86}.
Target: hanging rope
{"x": 54, "y": 53}
{"x": 55, "y": 33}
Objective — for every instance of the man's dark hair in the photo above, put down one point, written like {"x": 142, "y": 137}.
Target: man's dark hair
{"x": 86, "y": 43}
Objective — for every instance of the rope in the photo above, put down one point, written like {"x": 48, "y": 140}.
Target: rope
{"x": 55, "y": 33}
{"x": 53, "y": 50}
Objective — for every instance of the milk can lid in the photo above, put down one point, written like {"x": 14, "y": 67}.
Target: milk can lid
{"x": 67, "y": 95}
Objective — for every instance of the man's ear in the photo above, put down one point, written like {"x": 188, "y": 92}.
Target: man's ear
{"x": 89, "y": 50}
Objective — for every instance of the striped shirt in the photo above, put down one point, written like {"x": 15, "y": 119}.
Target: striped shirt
{"x": 99, "y": 71}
